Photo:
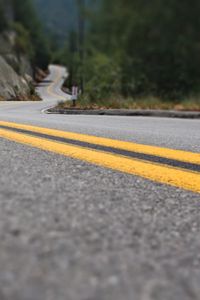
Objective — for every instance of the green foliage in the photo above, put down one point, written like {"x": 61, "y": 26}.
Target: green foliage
{"x": 132, "y": 47}
{"x": 23, "y": 42}
{"x": 25, "y": 14}
{"x": 3, "y": 22}
{"x": 164, "y": 58}
{"x": 58, "y": 17}
{"x": 30, "y": 38}
{"x": 102, "y": 76}
{"x": 148, "y": 48}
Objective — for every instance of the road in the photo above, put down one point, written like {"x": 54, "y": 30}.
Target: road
{"x": 81, "y": 226}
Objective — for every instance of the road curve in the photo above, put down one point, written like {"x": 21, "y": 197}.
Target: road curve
{"x": 164, "y": 132}
{"x": 73, "y": 228}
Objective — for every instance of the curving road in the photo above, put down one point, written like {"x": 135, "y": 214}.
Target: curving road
{"x": 172, "y": 133}
{"x": 71, "y": 229}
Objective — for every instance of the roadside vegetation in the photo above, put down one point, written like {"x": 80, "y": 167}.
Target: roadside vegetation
{"x": 135, "y": 55}
{"x": 188, "y": 104}
{"x": 21, "y": 17}
{"x": 142, "y": 55}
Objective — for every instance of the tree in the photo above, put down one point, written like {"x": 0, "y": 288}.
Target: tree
{"x": 3, "y": 21}
{"x": 25, "y": 14}
{"x": 162, "y": 49}
{"x": 156, "y": 45}
{"x": 81, "y": 38}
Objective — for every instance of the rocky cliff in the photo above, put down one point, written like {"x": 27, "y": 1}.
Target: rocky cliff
{"x": 15, "y": 70}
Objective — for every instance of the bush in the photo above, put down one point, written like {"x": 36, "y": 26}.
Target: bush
{"x": 102, "y": 77}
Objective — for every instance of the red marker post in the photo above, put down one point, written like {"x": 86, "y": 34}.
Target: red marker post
{"x": 74, "y": 95}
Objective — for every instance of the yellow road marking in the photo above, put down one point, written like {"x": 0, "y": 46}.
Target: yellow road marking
{"x": 179, "y": 155}
{"x": 172, "y": 176}
{"x": 55, "y": 82}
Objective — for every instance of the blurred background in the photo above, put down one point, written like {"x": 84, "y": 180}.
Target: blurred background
{"x": 121, "y": 53}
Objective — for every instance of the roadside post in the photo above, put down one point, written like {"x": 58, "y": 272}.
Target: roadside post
{"x": 74, "y": 94}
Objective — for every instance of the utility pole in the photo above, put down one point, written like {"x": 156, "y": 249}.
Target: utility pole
{"x": 81, "y": 38}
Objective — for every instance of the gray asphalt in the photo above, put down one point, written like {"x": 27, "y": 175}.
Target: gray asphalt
{"x": 71, "y": 230}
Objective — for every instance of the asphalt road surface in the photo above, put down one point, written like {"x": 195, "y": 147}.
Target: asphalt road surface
{"x": 81, "y": 219}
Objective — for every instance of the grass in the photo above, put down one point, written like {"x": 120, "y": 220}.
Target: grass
{"x": 188, "y": 104}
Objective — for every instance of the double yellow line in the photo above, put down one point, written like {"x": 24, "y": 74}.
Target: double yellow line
{"x": 177, "y": 177}
{"x": 54, "y": 84}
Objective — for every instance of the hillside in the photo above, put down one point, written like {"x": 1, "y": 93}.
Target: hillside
{"x": 58, "y": 17}
{"x": 22, "y": 49}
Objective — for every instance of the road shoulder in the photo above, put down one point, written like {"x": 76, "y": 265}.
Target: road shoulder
{"x": 127, "y": 112}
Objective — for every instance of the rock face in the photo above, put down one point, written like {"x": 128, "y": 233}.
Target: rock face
{"x": 12, "y": 86}
{"x": 15, "y": 70}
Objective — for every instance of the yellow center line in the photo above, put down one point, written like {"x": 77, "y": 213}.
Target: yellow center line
{"x": 162, "y": 174}
{"x": 54, "y": 83}
{"x": 179, "y": 155}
